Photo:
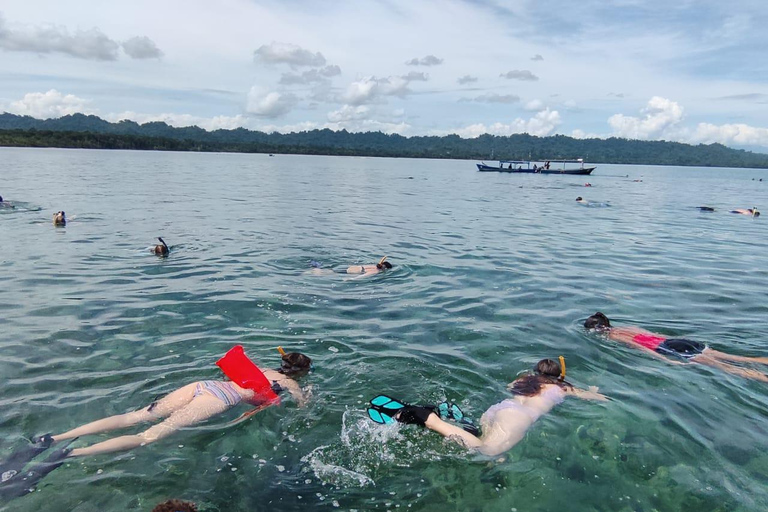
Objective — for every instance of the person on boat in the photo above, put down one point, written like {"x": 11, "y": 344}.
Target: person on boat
{"x": 535, "y": 168}
{"x": 504, "y": 424}
{"x": 546, "y": 165}
{"x": 197, "y": 402}
{"x": 752, "y": 212}
{"x": 381, "y": 266}
{"x": 510, "y": 166}
{"x": 662, "y": 346}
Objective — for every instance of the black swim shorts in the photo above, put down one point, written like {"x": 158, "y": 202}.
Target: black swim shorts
{"x": 681, "y": 347}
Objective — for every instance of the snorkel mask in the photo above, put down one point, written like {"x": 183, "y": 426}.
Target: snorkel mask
{"x": 288, "y": 368}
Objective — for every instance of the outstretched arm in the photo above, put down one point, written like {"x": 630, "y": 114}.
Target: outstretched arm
{"x": 588, "y": 394}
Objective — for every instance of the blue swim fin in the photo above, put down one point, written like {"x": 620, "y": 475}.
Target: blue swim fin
{"x": 383, "y": 409}
{"x": 23, "y": 456}
{"x": 23, "y": 483}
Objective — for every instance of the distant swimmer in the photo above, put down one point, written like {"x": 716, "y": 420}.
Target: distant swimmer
{"x": 5, "y": 204}
{"x": 661, "y": 346}
{"x": 59, "y": 219}
{"x": 591, "y": 204}
{"x": 381, "y": 266}
{"x": 503, "y": 425}
{"x": 706, "y": 208}
{"x": 162, "y": 248}
{"x": 587, "y": 184}
{"x": 752, "y": 212}
{"x": 581, "y": 200}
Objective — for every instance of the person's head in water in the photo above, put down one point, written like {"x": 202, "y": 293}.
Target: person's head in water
{"x": 295, "y": 364}
{"x": 546, "y": 371}
{"x": 383, "y": 264}
{"x": 598, "y": 321}
{"x": 579, "y": 198}
{"x": 175, "y": 506}
{"x": 1, "y": 199}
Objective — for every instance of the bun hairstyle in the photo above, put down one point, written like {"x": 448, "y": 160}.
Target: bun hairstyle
{"x": 295, "y": 364}
{"x": 597, "y": 321}
{"x": 547, "y": 371}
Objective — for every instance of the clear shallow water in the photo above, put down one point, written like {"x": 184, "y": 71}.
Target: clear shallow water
{"x": 492, "y": 272}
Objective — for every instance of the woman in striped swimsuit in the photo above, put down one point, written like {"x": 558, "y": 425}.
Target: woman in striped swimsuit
{"x": 188, "y": 406}
{"x": 662, "y": 346}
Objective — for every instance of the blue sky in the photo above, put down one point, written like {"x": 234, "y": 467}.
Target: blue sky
{"x": 691, "y": 71}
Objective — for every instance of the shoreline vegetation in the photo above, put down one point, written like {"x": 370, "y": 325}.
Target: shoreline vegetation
{"x": 91, "y": 132}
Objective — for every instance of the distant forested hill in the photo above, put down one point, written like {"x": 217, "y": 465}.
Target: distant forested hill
{"x": 81, "y": 131}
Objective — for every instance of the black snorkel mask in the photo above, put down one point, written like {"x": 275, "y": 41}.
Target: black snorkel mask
{"x": 287, "y": 368}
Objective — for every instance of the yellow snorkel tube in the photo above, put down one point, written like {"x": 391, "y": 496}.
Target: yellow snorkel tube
{"x": 280, "y": 349}
{"x": 562, "y": 368}
{"x": 381, "y": 261}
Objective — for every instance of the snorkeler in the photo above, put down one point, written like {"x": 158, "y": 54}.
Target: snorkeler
{"x": 59, "y": 219}
{"x": 5, "y": 204}
{"x": 504, "y": 424}
{"x": 186, "y": 406}
{"x": 752, "y": 212}
{"x": 162, "y": 248}
{"x": 381, "y": 266}
{"x": 660, "y": 346}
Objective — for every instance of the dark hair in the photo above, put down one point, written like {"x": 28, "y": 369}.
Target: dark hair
{"x": 387, "y": 265}
{"x": 597, "y": 321}
{"x": 295, "y": 364}
{"x": 578, "y": 198}
{"x": 548, "y": 371}
{"x": 175, "y": 506}
{"x": 1, "y": 199}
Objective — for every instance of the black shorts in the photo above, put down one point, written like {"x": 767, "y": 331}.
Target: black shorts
{"x": 681, "y": 347}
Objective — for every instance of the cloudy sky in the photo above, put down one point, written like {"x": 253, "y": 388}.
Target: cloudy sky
{"x": 691, "y": 71}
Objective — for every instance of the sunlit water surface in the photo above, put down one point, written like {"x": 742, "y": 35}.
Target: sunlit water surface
{"x": 492, "y": 272}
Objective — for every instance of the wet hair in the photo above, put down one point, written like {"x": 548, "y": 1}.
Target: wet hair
{"x": 579, "y": 198}
{"x": 175, "y": 506}
{"x": 1, "y": 199}
{"x": 295, "y": 364}
{"x": 546, "y": 371}
{"x": 597, "y": 321}
{"x": 387, "y": 265}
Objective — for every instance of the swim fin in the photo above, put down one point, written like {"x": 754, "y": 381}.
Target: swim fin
{"x": 23, "y": 456}
{"x": 24, "y": 483}
{"x": 449, "y": 411}
{"x": 386, "y": 410}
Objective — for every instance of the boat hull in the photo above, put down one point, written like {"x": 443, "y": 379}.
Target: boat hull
{"x": 579, "y": 172}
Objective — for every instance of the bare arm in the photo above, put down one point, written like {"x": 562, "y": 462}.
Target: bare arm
{"x": 295, "y": 390}
{"x": 587, "y": 394}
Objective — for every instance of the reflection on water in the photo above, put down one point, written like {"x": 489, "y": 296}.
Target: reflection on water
{"x": 492, "y": 273}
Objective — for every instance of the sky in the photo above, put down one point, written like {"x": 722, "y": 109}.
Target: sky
{"x": 687, "y": 71}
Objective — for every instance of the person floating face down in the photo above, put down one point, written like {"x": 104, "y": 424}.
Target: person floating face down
{"x": 381, "y": 266}
{"x": 199, "y": 401}
{"x": 752, "y": 212}
{"x": 504, "y": 424}
{"x": 680, "y": 349}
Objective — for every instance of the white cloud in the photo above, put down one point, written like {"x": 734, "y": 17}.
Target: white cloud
{"x": 534, "y": 105}
{"x": 84, "y": 44}
{"x": 660, "y": 119}
{"x": 542, "y": 124}
{"x": 537, "y": 57}
{"x": 429, "y": 60}
{"x": 141, "y": 48}
{"x": 371, "y": 89}
{"x": 520, "y": 74}
{"x": 466, "y": 79}
{"x": 730, "y": 134}
{"x": 349, "y": 113}
{"x": 286, "y": 53}
{"x": 416, "y": 76}
{"x": 270, "y": 104}
{"x": 182, "y": 120}
{"x": 311, "y": 76}
{"x": 51, "y": 104}
{"x": 494, "y": 98}
{"x": 366, "y": 125}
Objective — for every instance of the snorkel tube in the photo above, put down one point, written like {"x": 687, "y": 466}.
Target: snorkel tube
{"x": 243, "y": 372}
{"x": 562, "y": 369}
{"x": 380, "y": 264}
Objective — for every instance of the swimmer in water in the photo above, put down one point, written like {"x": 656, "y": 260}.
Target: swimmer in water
{"x": 581, "y": 200}
{"x": 5, "y": 204}
{"x": 59, "y": 219}
{"x": 504, "y": 425}
{"x": 162, "y": 248}
{"x": 661, "y": 346}
{"x": 752, "y": 212}
{"x": 381, "y": 266}
{"x": 189, "y": 405}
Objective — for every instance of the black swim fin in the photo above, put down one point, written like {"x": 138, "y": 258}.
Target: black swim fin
{"x": 23, "y": 456}
{"x": 25, "y": 482}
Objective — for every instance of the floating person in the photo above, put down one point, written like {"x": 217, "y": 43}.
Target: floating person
{"x": 5, "y": 204}
{"x": 186, "y": 406}
{"x": 381, "y": 266}
{"x": 581, "y": 200}
{"x": 752, "y": 212}
{"x": 706, "y": 208}
{"x": 162, "y": 248}
{"x": 587, "y": 184}
{"x": 59, "y": 219}
{"x": 504, "y": 424}
{"x": 591, "y": 204}
{"x": 661, "y": 346}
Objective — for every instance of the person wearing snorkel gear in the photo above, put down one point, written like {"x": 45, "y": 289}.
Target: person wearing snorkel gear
{"x": 197, "y": 402}
{"x": 504, "y": 424}
{"x": 661, "y": 346}
{"x": 381, "y": 266}
{"x": 752, "y": 212}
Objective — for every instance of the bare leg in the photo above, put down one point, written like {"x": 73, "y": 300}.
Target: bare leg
{"x": 165, "y": 406}
{"x": 452, "y": 431}
{"x": 730, "y": 357}
{"x": 735, "y": 370}
{"x": 199, "y": 409}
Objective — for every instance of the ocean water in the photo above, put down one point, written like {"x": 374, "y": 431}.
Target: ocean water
{"x": 492, "y": 272}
